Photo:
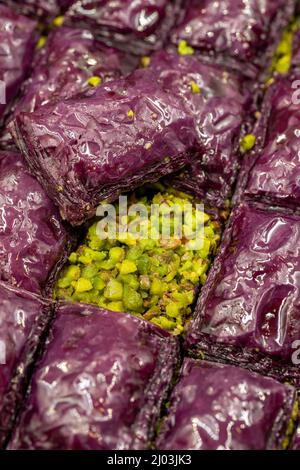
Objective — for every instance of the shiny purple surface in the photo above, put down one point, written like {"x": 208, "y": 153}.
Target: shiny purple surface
{"x": 235, "y": 30}
{"x": 100, "y": 384}
{"x": 88, "y": 149}
{"x": 221, "y": 407}
{"x": 18, "y": 37}
{"x": 139, "y": 26}
{"x": 249, "y": 311}
{"x": 275, "y": 176}
{"x": 219, "y": 110}
{"x": 20, "y": 314}
{"x": 33, "y": 238}
{"x": 63, "y": 66}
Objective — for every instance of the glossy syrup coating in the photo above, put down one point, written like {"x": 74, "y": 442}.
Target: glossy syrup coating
{"x": 156, "y": 278}
{"x": 249, "y": 310}
{"x": 219, "y": 101}
{"x": 295, "y": 62}
{"x": 139, "y": 27}
{"x": 88, "y": 149}
{"x": 33, "y": 238}
{"x": 100, "y": 384}
{"x": 238, "y": 32}
{"x": 274, "y": 178}
{"x": 22, "y": 316}
{"x": 68, "y": 64}
{"x": 18, "y": 36}
{"x": 222, "y": 407}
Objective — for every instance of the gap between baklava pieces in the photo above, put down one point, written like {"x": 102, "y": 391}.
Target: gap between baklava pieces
{"x": 148, "y": 255}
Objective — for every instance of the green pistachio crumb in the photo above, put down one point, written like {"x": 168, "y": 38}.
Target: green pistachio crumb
{"x": 195, "y": 88}
{"x": 128, "y": 267}
{"x": 114, "y": 290}
{"x": 58, "y": 21}
{"x": 294, "y": 418}
{"x": 41, "y": 42}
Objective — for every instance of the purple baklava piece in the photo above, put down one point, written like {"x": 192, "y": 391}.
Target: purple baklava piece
{"x": 249, "y": 310}
{"x": 34, "y": 241}
{"x": 92, "y": 148}
{"x": 222, "y": 407}
{"x": 100, "y": 384}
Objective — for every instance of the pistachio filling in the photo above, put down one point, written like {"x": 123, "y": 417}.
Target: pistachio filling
{"x": 153, "y": 277}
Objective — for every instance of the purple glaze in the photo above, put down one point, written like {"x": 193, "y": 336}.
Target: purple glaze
{"x": 64, "y": 65}
{"x": 18, "y": 37}
{"x": 275, "y": 176}
{"x": 219, "y": 110}
{"x": 139, "y": 27}
{"x": 33, "y": 239}
{"x": 221, "y": 407}
{"x": 100, "y": 384}
{"x": 243, "y": 34}
{"x": 92, "y": 148}
{"x": 296, "y": 442}
{"x": 22, "y": 316}
{"x": 249, "y": 311}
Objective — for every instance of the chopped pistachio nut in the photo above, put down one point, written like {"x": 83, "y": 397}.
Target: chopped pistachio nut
{"x": 145, "y": 61}
{"x": 41, "y": 42}
{"x": 185, "y": 49}
{"x": 247, "y": 143}
{"x": 294, "y": 418}
{"x": 154, "y": 278}
{"x": 130, "y": 114}
{"x": 94, "y": 81}
{"x": 58, "y": 21}
{"x": 195, "y": 88}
